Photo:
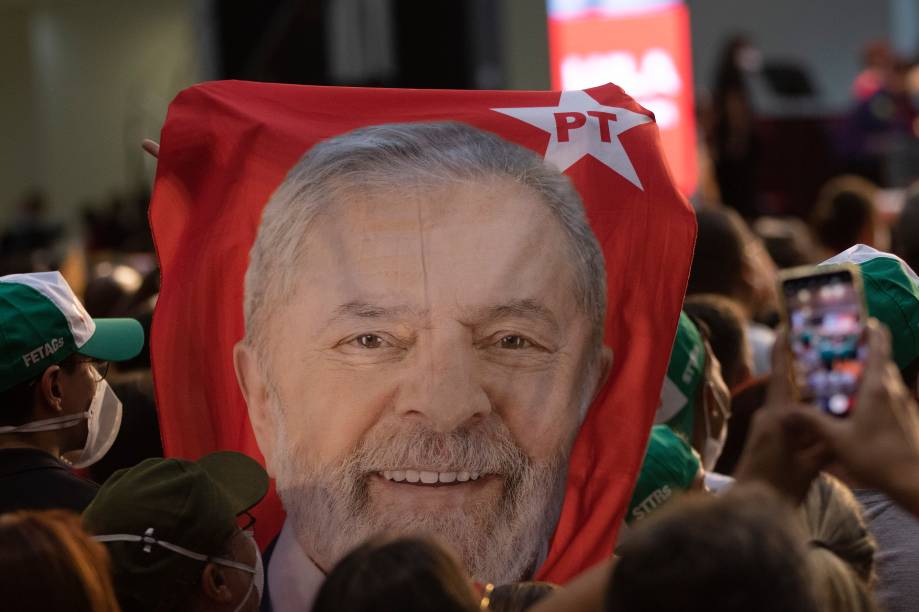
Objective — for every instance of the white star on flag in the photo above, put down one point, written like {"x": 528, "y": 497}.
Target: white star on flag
{"x": 569, "y": 140}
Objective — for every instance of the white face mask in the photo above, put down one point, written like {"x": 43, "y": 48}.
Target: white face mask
{"x": 104, "y": 416}
{"x": 104, "y": 422}
{"x": 713, "y": 447}
{"x": 257, "y": 571}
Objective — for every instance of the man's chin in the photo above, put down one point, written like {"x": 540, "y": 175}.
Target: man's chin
{"x": 471, "y": 519}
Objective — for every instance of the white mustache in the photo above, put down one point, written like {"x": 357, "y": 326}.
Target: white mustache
{"x": 487, "y": 448}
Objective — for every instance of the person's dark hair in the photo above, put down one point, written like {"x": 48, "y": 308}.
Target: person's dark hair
{"x": 18, "y": 401}
{"x": 844, "y": 212}
{"x": 745, "y": 401}
{"x": 47, "y": 562}
{"x": 718, "y": 261}
{"x": 906, "y": 230}
{"x": 518, "y": 596}
{"x": 727, "y": 334}
{"x": 741, "y": 552}
{"x": 408, "y": 574}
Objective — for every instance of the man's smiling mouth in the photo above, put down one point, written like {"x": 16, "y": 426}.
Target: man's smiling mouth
{"x": 425, "y": 477}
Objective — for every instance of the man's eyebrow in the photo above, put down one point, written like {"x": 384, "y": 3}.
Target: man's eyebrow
{"x": 367, "y": 310}
{"x": 526, "y": 308}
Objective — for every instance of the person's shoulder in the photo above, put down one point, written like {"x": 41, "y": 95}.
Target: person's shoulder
{"x": 34, "y": 480}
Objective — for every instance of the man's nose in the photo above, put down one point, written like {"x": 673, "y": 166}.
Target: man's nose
{"x": 443, "y": 389}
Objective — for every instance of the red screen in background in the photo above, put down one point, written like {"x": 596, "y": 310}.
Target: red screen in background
{"x": 644, "y": 47}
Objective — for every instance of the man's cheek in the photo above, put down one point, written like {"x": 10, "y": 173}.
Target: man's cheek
{"x": 335, "y": 422}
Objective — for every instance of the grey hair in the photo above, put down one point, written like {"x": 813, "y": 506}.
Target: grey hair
{"x": 390, "y": 157}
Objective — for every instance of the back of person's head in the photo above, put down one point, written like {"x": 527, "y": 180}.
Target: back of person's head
{"x": 47, "y": 562}
{"x": 906, "y": 230}
{"x": 891, "y": 290}
{"x": 518, "y": 596}
{"x": 844, "y": 214}
{"x": 841, "y": 550}
{"x": 739, "y": 552}
{"x": 836, "y": 586}
{"x": 718, "y": 261}
{"x": 834, "y": 523}
{"x": 409, "y": 574}
{"x": 170, "y": 526}
{"x": 727, "y": 335}
{"x": 788, "y": 241}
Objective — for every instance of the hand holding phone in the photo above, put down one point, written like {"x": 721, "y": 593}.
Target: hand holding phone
{"x": 826, "y": 316}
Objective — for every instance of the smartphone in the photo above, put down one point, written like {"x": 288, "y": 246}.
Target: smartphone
{"x": 825, "y": 312}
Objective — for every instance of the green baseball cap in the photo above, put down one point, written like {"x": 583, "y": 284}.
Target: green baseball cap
{"x": 146, "y": 513}
{"x": 42, "y": 323}
{"x": 892, "y": 295}
{"x": 669, "y": 468}
{"x": 684, "y": 374}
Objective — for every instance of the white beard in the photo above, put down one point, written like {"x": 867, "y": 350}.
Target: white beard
{"x": 332, "y": 511}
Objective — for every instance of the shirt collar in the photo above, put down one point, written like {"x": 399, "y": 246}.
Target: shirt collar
{"x": 293, "y": 579}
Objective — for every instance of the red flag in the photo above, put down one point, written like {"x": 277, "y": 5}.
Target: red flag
{"x": 226, "y": 146}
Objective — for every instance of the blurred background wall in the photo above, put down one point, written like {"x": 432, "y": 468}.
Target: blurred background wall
{"x": 84, "y": 80}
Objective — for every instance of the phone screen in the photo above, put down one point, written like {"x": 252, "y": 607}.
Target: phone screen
{"x": 826, "y": 336}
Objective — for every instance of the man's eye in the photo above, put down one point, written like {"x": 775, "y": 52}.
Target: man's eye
{"x": 369, "y": 341}
{"x": 514, "y": 342}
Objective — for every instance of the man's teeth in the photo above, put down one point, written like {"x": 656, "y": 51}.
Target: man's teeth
{"x": 425, "y": 477}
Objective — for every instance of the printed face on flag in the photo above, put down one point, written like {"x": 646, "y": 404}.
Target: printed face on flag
{"x": 423, "y": 340}
{"x": 400, "y": 300}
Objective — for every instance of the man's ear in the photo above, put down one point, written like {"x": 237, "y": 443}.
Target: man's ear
{"x": 255, "y": 390}
{"x": 214, "y": 585}
{"x": 52, "y": 397}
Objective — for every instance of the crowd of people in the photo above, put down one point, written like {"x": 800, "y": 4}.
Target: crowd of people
{"x": 748, "y": 498}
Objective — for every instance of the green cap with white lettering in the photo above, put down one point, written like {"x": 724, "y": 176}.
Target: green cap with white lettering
{"x": 892, "y": 296}
{"x": 669, "y": 468}
{"x": 684, "y": 374}
{"x": 42, "y": 323}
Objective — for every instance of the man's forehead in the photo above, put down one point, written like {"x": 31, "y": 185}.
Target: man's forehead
{"x": 389, "y": 308}
{"x": 426, "y": 205}
{"x": 465, "y": 239}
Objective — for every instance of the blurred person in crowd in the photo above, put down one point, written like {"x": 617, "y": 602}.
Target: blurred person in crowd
{"x": 746, "y": 400}
{"x": 408, "y": 574}
{"x": 695, "y": 401}
{"x": 119, "y": 290}
{"x": 47, "y": 562}
{"x": 906, "y": 229}
{"x": 726, "y": 333}
{"x": 422, "y": 410}
{"x": 788, "y": 241}
{"x": 519, "y": 596}
{"x": 841, "y": 550}
{"x": 110, "y": 291}
{"x": 729, "y": 260}
{"x": 845, "y": 214}
{"x": 29, "y": 230}
{"x": 883, "y": 126}
{"x": 878, "y": 62}
{"x": 170, "y": 527}
{"x": 740, "y": 552}
{"x": 670, "y": 467}
{"x": 734, "y": 143}
{"x": 892, "y": 296}
{"x": 57, "y": 408}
